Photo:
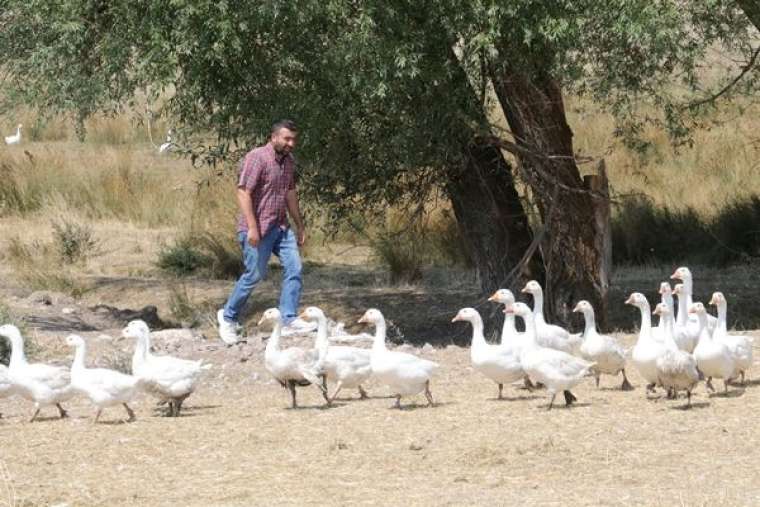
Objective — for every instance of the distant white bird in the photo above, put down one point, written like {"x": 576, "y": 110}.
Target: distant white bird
{"x": 14, "y": 139}
{"x": 165, "y": 147}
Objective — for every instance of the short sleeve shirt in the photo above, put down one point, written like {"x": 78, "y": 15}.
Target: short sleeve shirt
{"x": 267, "y": 176}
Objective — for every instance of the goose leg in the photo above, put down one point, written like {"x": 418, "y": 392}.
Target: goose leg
{"x": 688, "y": 396}
{"x": 597, "y": 380}
{"x": 130, "y": 413}
{"x": 97, "y": 416}
{"x": 338, "y": 387}
{"x": 551, "y": 402}
{"x": 362, "y": 393}
{"x": 36, "y": 413}
{"x": 528, "y": 384}
{"x": 178, "y": 404}
{"x": 398, "y": 402}
{"x": 626, "y": 385}
{"x": 651, "y": 388}
{"x": 709, "y": 384}
{"x": 292, "y": 387}
{"x": 61, "y": 411}
{"x": 725, "y": 386}
{"x": 742, "y": 372}
{"x": 325, "y": 393}
{"x": 501, "y": 388}
{"x": 428, "y": 394}
{"x": 569, "y": 398}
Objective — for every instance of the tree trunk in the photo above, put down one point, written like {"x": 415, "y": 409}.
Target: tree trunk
{"x": 573, "y": 258}
{"x": 752, "y": 9}
{"x": 492, "y": 219}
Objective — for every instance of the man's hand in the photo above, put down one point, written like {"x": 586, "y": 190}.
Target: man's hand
{"x": 301, "y": 235}
{"x": 253, "y": 237}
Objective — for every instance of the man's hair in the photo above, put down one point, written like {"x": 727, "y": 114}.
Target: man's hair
{"x": 284, "y": 124}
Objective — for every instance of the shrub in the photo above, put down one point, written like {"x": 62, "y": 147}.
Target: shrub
{"x": 182, "y": 258}
{"x": 74, "y": 241}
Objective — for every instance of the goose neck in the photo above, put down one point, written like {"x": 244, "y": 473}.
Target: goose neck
{"x": 683, "y": 310}
{"x": 538, "y": 303}
{"x": 590, "y": 326}
{"x": 646, "y": 320}
{"x": 722, "y": 317}
{"x": 79, "y": 353}
{"x": 273, "y": 343}
{"x": 321, "y": 343}
{"x": 477, "y": 332}
{"x": 378, "y": 343}
{"x": 18, "y": 357}
{"x": 509, "y": 328}
{"x": 141, "y": 349}
{"x": 530, "y": 330}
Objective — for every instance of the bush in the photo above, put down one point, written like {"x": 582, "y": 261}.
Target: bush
{"x": 74, "y": 241}
{"x": 182, "y": 259}
{"x": 644, "y": 234}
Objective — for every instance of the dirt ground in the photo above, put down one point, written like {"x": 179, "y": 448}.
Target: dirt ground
{"x": 238, "y": 443}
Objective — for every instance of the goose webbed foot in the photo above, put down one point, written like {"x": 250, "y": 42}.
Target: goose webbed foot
{"x": 362, "y": 393}
{"x": 398, "y": 402}
{"x": 569, "y": 398}
{"x": 36, "y": 413}
{"x": 709, "y": 385}
{"x": 61, "y": 411}
{"x": 528, "y": 384}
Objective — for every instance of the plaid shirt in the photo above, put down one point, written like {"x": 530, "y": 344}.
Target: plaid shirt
{"x": 267, "y": 177}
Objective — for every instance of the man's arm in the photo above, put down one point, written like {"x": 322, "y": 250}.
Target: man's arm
{"x": 246, "y": 206}
{"x": 291, "y": 198}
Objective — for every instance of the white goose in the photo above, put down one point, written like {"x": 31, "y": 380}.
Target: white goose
{"x": 498, "y": 363}
{"x": 509, "y": 333}
{"x": 713, "y": 357}
{"x": 647, "y": 349}
{"x": 603, "y": 350}
{"x": 405, "y": 374}
{"x": 347, "y": 366}
{"x": 684, "y": 274}
{"x": 557, "y": 370}
{"x": 167, "y": 145}
{"x": 16, "y": 138}
{"x": 168, "y": 378}
{"x": 293, "y": 366}
{"x": 549, "y": 335}
{"x": 43, "y": 384}
{"x": 739, "y": 346}
{"x": 685, "y": 330}
{"x": 676, "y": 368}
{"x": 666, "y": 296}
{"x": 104, "y": 387}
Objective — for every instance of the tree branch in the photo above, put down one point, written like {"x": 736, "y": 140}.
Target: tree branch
{"x": 712, "y": 98}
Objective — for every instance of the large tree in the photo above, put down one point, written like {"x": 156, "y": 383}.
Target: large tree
{"x": 396, "y": 96}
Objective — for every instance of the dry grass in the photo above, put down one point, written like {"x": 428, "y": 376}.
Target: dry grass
{"x": 238, "y": 444}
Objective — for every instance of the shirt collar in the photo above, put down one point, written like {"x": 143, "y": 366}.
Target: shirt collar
{"x": 279, "y": 158}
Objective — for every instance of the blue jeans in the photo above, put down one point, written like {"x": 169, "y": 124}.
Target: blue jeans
{"x": 284, "y": 245}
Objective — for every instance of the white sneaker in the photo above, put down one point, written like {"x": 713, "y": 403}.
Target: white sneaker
{"x": 229, "y": 332}
{"x": 298, "y": 326}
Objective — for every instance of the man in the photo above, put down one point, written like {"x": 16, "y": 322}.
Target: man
{"x": 266, "y": 194}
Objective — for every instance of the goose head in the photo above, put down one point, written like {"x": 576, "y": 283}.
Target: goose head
{"x": 466, "y": 314}
{"x": 10, "y": 331}
{"x": 717, "y": 299}
{"x": 665, "y": 289}
{"x": 661, "y": 310}
{"x": 136, "y": 329}
{"x": 74, "y": 340}
{"x": 682, "y": 273}
{"x": 678, "y": 290}
{"x": 270, "y": 316}
{"x": 532, "y": 287}
{"x": 636, "y": 299}
{"x": 519, "y": 309}
{"x": 502, "y": 296}
{"x": 371, "y": 316}
{"x": 312, "y": 313}
{"x": 697, "y": 309}
{"x": 584, "y": 307}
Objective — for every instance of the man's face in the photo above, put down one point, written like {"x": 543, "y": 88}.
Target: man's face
{"x": 284, "y": 141}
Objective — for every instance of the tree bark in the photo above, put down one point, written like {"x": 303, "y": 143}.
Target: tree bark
{"x": 752, "y": 9}
{"x": 572, "y": 255}
{"x": 492, "y": 219}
